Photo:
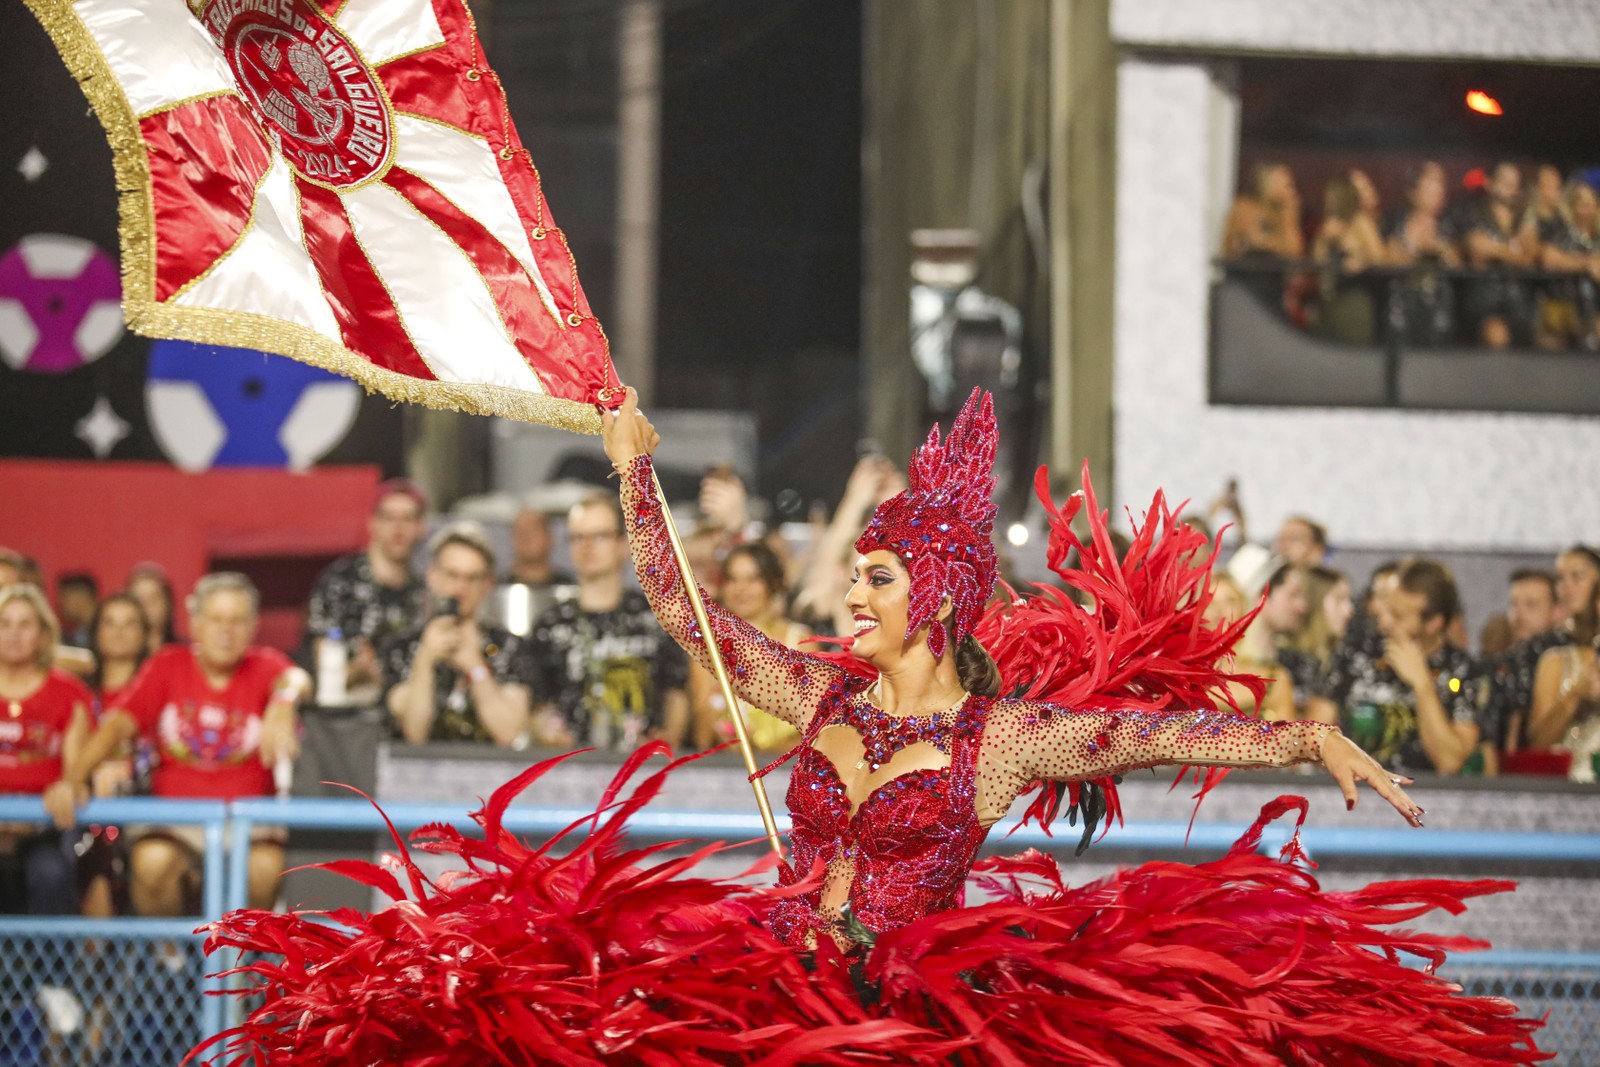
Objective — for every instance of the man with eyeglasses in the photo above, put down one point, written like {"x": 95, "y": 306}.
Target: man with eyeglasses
{"x": 453, "y": 677}
{"x": 606, "y": 675}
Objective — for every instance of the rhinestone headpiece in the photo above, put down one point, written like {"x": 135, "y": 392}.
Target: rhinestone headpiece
{"x": 942, "y": 526}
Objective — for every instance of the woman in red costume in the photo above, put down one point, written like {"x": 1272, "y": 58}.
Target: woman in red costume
{"x": 864, "y": 953}
{"x": 927, "y": 746}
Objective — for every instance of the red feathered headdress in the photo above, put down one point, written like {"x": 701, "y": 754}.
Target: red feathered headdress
{"x": 942, "y": 526}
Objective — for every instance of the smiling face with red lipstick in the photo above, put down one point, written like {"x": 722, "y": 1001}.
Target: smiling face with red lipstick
{"x": 879, "y": 601}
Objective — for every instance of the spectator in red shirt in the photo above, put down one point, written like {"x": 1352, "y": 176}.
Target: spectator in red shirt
{"x": 221, "y": 713}
{"x": 119, "y": 639}
{"x": 44, "y": 718}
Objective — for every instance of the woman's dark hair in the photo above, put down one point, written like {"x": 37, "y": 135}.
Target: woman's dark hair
{"x": 768, "y": 565}
{"x": 169, "y": 631}
{"x": 976, "y": 668}
{"x": 1585, "y": 625}
{"x": 97, "y": 677}
{"x": 1587, "y": 553}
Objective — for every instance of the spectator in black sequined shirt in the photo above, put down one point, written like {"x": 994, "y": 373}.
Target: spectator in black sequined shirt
{"x": 1571, "y": 306}
{"x": 373, "y": 594}
{"x": 1363, "y": 630}
{"x": 1531, "y": 606}
{"x": 1499, "y": 302}
{"x": 1543, "y": 220}
{"x": 1421, "y": 704}
{"x": 455, "y": 678}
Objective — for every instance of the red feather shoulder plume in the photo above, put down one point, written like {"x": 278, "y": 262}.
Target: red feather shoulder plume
{"x": 1144, "y": 644}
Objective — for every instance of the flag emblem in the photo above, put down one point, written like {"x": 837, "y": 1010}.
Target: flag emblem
{"x": 324, "y": 109}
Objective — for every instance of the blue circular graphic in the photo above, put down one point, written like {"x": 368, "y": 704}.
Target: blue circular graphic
{"x": 212, "y": 406}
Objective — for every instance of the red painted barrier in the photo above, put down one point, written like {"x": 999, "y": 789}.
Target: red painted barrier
{"x": 279, "y": 527}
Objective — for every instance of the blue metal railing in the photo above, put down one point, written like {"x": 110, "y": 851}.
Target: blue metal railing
{"x": 226, "y": 870}
{"x": 212, "y": 818}
{"x": 227, "y": 830}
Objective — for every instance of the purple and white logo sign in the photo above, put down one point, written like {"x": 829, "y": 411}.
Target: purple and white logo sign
{"x": 60, "y": 304}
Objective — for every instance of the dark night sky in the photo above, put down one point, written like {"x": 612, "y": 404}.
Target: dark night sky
{"x": 761, "y": 227}
{"x": 760, "y": 245}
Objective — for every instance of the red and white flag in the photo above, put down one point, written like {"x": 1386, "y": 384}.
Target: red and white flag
{"x": 337, "y": 181}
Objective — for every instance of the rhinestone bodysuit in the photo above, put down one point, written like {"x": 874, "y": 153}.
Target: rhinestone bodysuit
{"x": 905, "y": 849}
{"x": 896, "y": 837}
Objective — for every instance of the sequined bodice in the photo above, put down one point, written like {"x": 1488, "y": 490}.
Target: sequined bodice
{"x": 905, "y": 850}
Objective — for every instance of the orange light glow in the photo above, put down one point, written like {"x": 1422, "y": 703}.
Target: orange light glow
{"x": 1483, "y": 103}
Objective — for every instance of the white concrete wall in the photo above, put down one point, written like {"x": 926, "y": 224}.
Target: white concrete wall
{"x": 1424, "y": 480}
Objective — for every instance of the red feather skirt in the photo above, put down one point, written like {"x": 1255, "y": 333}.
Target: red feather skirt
{"x": 586, "y": 950}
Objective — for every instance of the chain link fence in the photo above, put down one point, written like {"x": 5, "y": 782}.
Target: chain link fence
{"x": 118, "y": 998}
{"x": 1569, "y": 994}
{"x": 134, "y": 997}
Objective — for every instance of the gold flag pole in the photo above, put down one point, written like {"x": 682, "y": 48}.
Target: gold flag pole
{"x": 692, "y": 588}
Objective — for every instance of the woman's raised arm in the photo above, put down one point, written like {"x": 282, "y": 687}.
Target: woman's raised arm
{"x": 780, "y": 680}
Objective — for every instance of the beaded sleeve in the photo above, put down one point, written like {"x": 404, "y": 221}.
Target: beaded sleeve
{"x": 1027, "y": 741}
{"x": 779, "y": 680}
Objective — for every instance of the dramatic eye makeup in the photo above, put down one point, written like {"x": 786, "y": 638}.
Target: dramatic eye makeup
{"x": 877, "y": 575}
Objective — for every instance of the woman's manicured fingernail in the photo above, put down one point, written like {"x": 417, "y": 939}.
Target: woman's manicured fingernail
{"x": 1349, "y": 805}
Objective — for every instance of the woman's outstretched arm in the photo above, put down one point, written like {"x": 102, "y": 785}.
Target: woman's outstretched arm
{"x": 780, "y": 680}
{"x": 1025, "y": 742}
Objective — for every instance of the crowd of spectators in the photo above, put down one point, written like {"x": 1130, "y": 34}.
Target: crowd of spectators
{"x": 1396, "y": 672}
{"x": 119, "y": 704}
{"x": 1507, "y": 262}
{"x": 212, "y": 717}
{"x": 99, "y": 697}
